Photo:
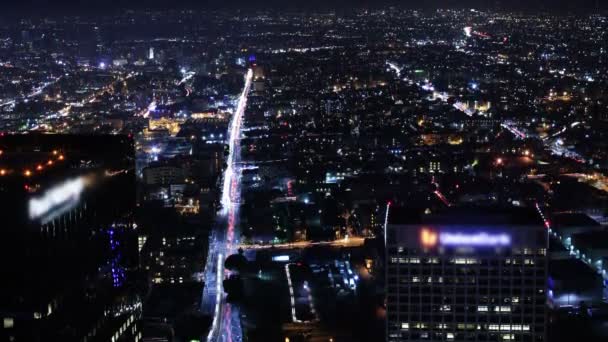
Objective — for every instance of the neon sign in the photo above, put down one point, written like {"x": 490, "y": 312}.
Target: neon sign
{"x": 475, "y": 239}
{"x": 430, "y": 238}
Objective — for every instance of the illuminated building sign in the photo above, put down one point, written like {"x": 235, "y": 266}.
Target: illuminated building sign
{"x": 280, "y": 258}
{"x": 57, "y": 200}
{"x": 475, "y": 239}
{"x": 430, "y": 238}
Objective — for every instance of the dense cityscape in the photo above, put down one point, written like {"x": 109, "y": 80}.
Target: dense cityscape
{"x": 365, "y": 175}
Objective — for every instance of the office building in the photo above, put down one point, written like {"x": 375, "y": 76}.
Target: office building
{"x": 466, "y": 275}
{"x": 68, "y": 239}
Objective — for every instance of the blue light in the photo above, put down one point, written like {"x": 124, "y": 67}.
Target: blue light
{"x": 280, "y": 258}
{"x": 118, "y": 274}
{"x": 475, "y": 239}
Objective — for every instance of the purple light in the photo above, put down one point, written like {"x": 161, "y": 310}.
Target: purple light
{"x": 475, "y": 239}
{"x": 118, "y": 275}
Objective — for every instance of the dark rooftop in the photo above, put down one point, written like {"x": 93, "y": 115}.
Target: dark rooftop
{"x": 473, "y": 215}
{"x": 572, "y": 219}
{"x": 591, "y": 240}
{"x": 572, "y": 270}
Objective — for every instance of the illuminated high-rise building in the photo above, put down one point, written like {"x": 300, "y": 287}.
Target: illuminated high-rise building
{"x": 67, "y": 230}
{"x": 466, "y": 275}
{"x": 258, "y": 72}
{"x": 151, "y": 53}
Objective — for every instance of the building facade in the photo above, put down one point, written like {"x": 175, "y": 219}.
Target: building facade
{"x": 68, "y": 240}
{"x": 466, "y": 281}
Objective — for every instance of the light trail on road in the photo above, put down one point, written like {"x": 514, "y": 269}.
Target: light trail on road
{"x": 37, "y": 91}
{"x": 218, "y": 299}
{"x": 234, "y": 133}
{"x": 511, "y": 127}
{"x": 226, "y": 325}
{"x": 427, "y": 86}
{"x": 292, "y": 298}
{"x": 346, "y": 242}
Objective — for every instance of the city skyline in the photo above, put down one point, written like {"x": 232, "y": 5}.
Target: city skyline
{"x": 37, "y": 7}
{"x": 324, "y": 173}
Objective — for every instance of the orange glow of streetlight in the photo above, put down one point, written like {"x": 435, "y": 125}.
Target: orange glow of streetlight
{"x": 27, "y": 173}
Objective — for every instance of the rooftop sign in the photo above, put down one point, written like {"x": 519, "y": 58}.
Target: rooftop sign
{"x": 430, "y": 238}
{"x": 57, "y": 200}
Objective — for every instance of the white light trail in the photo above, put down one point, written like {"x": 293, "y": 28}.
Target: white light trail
{"x": 233, "y": 133}
{"x": 468, "y": 30}
{"x": 37, "y": 91}
{"x": 350, "y": 242}
{"x": 187, "y": 76}
{"x": 427, "y": 86}
{"x": 388, "y": 206}
{"x": 511, "y": 127}
{"x": 151, "y": 108}
{"x": 225, "y": 242}
{"x": 394, "y": 67}
{"x": 218, "y": 298}
{"x": 291, "y": 295}
{"x": 292, "y": 299}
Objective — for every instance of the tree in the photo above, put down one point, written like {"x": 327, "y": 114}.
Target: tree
{"x": 236, "y": 262}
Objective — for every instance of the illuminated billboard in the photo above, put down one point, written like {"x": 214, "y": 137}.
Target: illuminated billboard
{"x": 431, "y": 238}
{"x": 57, "y": 200}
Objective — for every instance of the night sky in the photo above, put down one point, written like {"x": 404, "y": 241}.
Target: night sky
{"x": 45, "y": 6}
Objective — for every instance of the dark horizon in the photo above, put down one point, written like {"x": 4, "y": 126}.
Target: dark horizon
{"x": 42, "y": 7}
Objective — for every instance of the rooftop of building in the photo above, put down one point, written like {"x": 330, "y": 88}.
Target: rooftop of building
{"x": 466, "y": 215}
{"x": 573, "y": 271}
{"x": 567, "y": 219}
{"x": 591, "y": 239}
